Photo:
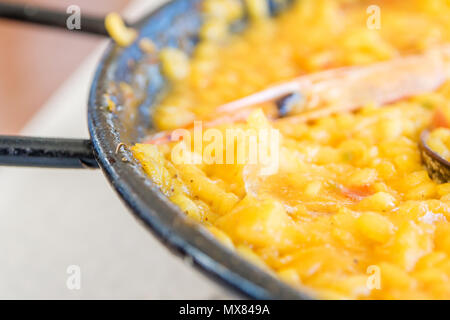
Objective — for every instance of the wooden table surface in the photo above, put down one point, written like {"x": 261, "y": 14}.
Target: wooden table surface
{"x": 35, "y": 60}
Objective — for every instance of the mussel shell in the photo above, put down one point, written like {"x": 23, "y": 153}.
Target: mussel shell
{"x": 438, "y": 168}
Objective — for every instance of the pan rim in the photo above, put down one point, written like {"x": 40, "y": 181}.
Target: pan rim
{"x": 159, "y": 215}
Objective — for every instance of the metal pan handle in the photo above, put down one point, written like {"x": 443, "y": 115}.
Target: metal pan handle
{"x": 47, "y": 153}
{"x": 49, "y": 17}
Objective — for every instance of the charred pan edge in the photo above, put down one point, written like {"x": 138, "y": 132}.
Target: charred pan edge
{"x": 438, "y": 168}
{"x": 158, "y": 214}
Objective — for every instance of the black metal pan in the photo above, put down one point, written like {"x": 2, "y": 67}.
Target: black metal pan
{"x": 176, "y": 23}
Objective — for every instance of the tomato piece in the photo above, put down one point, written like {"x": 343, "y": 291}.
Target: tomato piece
{"x": 440, "y": 120}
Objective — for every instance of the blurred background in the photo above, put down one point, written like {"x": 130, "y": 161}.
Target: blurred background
{"x": 35, "y": 60}
{"x": 53, "y": 219}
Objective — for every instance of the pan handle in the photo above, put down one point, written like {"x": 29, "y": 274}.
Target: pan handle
{"x": 47, "y": 153}
{"x": 53, "y": 18}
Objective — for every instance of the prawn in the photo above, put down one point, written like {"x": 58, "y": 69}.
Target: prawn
{"x": 340, "y": 90}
